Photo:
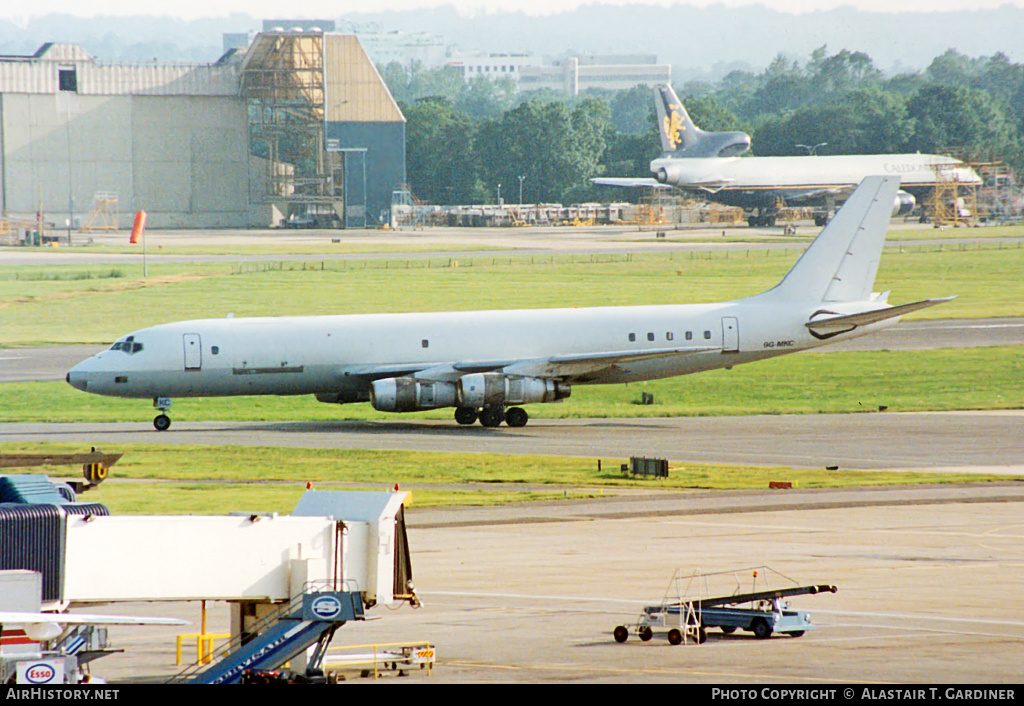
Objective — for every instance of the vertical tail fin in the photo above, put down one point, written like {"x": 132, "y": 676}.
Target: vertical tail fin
{"x": 674, "y": 125}
{"x": 680, "y": 138}
{"x": 840, "y": 265}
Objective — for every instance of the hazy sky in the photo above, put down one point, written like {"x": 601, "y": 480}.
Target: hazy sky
{"x": 191, "y": 9}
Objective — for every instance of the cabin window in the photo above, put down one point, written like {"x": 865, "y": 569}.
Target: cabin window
{"x": 632, "y": 337}
{"x": 689, "y": 335}
{"x": 650, "y": 336}
{"x": 669, "y": 336}
{"x": 425, "y": 343}
{"x": 707, "y": 335}
{"x": 215, "y": 349}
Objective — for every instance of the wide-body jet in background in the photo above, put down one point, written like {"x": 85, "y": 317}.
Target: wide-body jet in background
{"x": 487, "y": 364}
{"x": 710, "y": 164}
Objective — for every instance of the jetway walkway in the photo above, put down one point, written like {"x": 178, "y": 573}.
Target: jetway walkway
{"x": 309, "y": 619}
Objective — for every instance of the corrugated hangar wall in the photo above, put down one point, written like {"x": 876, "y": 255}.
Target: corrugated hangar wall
{"x": 174, "y": 140}
{"x": 363, "y": 120}
{"x": 183, "y": 159}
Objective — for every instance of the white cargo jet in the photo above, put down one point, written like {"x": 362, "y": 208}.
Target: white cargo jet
{"x": 488, "y": 363}
{"x": 709, "y": 163}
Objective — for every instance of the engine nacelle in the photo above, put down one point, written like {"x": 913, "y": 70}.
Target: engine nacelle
{"x": 497, "y": 390}
{"x": 409, "y": 394}
{"x": 904, "y": 203}
{"x": 668, "y": 174}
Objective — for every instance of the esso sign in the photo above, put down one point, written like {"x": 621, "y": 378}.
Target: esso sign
{"x": 41, "y": 672}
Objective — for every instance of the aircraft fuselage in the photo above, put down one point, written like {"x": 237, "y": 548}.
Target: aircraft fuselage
{"x": 790, "y": 177}
{"x": 343, "y": 354}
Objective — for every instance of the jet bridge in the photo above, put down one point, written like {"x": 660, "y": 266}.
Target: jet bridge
{"x": 345, "y": 549}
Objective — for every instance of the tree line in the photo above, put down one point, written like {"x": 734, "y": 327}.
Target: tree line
{"x": 477, "y": 141}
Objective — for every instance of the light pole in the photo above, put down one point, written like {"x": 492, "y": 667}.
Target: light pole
{"x": 813, "y": 150}
{"x": 521, "y": 189}
{"x": 499, "y": 194}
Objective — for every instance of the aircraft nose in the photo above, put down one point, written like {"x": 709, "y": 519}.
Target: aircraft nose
{"x": 77, "y": 379}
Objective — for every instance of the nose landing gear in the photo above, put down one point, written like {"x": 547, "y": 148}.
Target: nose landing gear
{"x": 162, "y": 422}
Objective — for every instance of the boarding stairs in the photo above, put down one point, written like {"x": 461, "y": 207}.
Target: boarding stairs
{"x": 310, "y": 618}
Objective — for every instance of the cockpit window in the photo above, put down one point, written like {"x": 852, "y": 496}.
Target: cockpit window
{"x": 128, "y": 345}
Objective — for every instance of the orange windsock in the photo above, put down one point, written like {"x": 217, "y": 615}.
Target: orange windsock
{"x": 138, "y": 227}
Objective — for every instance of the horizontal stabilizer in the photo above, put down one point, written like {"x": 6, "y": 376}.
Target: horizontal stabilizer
{"x": 833, "y": 325}
{"x": 630, "y": 182}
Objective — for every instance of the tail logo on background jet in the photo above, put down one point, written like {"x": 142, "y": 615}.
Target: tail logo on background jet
{"x": 674, "y": 126}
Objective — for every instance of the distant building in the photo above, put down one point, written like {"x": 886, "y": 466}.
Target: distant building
{"x": 421, "y": 49}
{"x": 408, "y": 49}
{"x": 574, "y": 73}
{"x": 493, "y": 66}
{"x": 299, "y": 26}
{"x": 569, "y": 74}
{"x": 297, "y": 124}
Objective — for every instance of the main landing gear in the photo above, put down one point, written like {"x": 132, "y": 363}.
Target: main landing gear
{"x": 492, "y": 416}
{"x": 162, "y": 422}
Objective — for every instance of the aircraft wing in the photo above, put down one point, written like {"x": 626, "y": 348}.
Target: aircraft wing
{"x": 834, "y": 325}
{"x": 631, "y": 183}
{"x": 568, "y": 368}
{"x": 26, "y": 618}
{"x": 574, "y": 367}
{"x": 815, "y": 195}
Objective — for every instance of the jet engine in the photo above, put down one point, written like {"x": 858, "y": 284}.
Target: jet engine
{"x": 409, "y": 394}
{"x": 497, "y": 390}
{"x": 668, "y": 174}
{"x": 904, "y": 203}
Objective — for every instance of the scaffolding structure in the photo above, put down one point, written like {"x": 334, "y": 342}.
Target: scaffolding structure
{"x": 283, "y": 86}
{"x": 952, "y": 203}
{"x": 651, "y": 209}
{"x": 1000, "y": 197}
{"x": 104, "y": 213}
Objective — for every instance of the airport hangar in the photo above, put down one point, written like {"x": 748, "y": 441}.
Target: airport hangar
{"x": 299, "y": 125}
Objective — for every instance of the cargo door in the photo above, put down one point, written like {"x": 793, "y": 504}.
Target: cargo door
{"x": 193, "y": 351}
{"x": 730, "y": 334}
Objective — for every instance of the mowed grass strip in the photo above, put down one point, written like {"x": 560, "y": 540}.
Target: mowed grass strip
{"x": 68, "y": 304}
{"x": 804, "y": 383}
{"x": 170, "y": 479}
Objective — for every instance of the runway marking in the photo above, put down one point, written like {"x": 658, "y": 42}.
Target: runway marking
{"x": 940, "y": 327}
{"x": 895, "y": 616}
{"x": 818, "y": 530}
{"x": 911, "y": 616}
{"x": 668, "y": 671}
{"x": 529, "y": 597}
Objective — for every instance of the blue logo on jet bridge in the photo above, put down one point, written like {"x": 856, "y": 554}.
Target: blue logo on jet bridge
{"x": 326, "y": 607}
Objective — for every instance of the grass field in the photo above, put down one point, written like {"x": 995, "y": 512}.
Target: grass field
{"x": 68, "y": 304}
{"x": 153, "y": 479}
{"x": 270, "y": 243}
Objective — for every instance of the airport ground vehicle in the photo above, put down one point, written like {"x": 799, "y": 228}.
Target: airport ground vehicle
{"x": 761, "y": 612}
